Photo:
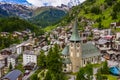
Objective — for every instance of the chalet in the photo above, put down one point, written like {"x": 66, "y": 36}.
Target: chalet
{"x": 117, "y": 45}
{"x": 115, "y": 24}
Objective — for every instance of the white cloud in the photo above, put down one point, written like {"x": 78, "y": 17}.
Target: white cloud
{"x": 49, "y": 2}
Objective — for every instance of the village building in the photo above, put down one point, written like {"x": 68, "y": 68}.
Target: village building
{"x": 4, "y": 34}
{"x": 12, "y": 59}
{"x": 1, "y": 70}
{"x": 6, "y": 51}
{"x": 13, "y": 75}
{"x": 3, "y": 59}
{"x": 117, "y": 35}
{"x": 115, "y": 25}
{"x": 29, "y": 56}
{"x": 77, "y": 54}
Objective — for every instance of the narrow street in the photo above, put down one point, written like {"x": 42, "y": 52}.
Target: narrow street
{"x": 28, "y": 76}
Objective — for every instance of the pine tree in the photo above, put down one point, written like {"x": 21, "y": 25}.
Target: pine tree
{"x": 10, "y": 66}
{"x": 54, "y": 64}
{"x": 54, "y": 61}
{"x": 42, "y": 60}
{"x": 105, "y": 68}
{"x": 81, "y": 74}
{"x": 89, "y": 71}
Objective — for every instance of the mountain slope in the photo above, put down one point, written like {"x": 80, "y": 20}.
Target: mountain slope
{"x": 48, "y": 17}
{"x": 22, "y": 2}
{"x": 43, "y": 16}
{"x": 15, "y": 24}
{"x": 7, "y": 9}
{"x": 102, "y": 12}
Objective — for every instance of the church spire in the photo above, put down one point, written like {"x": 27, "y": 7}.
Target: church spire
{"x": 75, "y": 36}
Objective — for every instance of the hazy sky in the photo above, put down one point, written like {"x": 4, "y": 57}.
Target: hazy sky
{"x": 49, "y": 2}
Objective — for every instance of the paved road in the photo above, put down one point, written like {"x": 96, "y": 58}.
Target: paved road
{"x": 27, "y": 77}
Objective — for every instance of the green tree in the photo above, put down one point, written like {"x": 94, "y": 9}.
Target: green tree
{"x": 114, "y": 15}
{"x": 54, "y": 64}
{"x": 34, "y": 77}
{"x": 89, "y": 71}
{"x": 54, "y": 61}
{"x": 48, "y": 75}
{"x": 99, "y": 74}
{"x": 96, "y": 10}
{"x": 105, "y": 68}
{"x": 81, "y": 74}
{"x": 42, "y": 60}
{"x": 10, "y": 66}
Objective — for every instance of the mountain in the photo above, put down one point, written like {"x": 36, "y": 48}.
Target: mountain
{"x": 73, "y": 3}
{"x": 7, "y": 9}
{"x": 48, "y": 16}
{"x": 22, "y": 2}
{"x": 100, "y": 12}
{"x": 42, "y": 16}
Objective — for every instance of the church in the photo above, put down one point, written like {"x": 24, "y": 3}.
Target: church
{"x": 77, "y": 54}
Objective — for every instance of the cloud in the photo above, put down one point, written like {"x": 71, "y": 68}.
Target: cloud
{"x": 49, "y": 2}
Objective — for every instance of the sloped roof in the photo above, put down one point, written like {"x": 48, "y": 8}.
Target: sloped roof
{"x": 65, "y": 51}
{"x": 75, "y": 36}
{"x": 101, "y": 41}
{"x": 13, "y": 75}
{"x": 89, "y": 50}
{"x": 67, "y": 61}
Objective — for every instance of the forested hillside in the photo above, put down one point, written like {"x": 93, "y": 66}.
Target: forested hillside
{"x": 48, "y": 17}
{"x": 15, "y": 24}
{"x": 102, "y": 12}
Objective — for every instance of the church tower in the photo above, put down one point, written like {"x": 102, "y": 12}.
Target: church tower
{"x": 75, "y": 49}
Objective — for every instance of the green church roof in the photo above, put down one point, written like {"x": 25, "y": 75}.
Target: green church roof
{"x": 67, "y": 61}
{"x": 75, "y": 36}
{"x": 89, "y": 50}
{"x": 65, "y": 51}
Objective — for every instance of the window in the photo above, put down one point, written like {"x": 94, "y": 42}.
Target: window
{"x": 77, "y": 54}
{"x": 71, "y": 54}
{"x": 71, "y": 44}
{"x": 78, "y": 45}
{"x": 83, "y": 61}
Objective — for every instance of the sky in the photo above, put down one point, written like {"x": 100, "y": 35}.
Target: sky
{"x": 49, "y": 2}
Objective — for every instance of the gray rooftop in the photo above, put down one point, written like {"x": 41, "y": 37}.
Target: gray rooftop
{"x": 13, "y": 56}
{"x": 65, "y": 51}
{"x": 13, "y": 75}
{"x": 28, "y": 52}
{"x": 89, "y": 50}
{"x": 75, "y": 36}
{"x": 102, "y": 41}
{"x": 67, "y": 61}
